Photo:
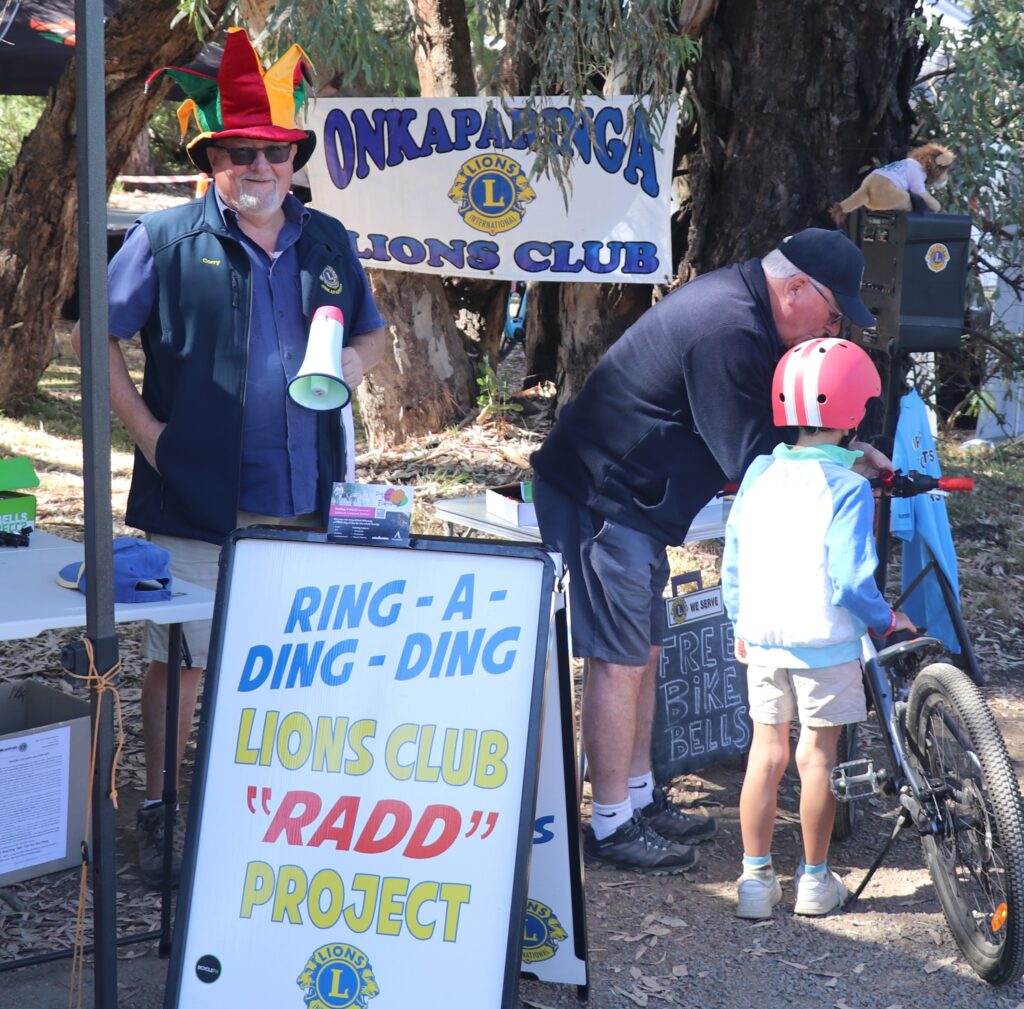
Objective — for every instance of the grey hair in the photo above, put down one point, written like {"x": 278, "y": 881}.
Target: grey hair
{"x": 776, "y": 265}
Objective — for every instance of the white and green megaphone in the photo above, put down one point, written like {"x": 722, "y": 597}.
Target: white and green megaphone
{"x": 318, "y": 385}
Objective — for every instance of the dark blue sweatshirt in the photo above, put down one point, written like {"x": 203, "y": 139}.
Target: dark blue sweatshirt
{"x": 679, "y": 405}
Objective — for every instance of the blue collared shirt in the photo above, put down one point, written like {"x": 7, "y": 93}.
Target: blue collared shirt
{"x": 279, "y": 438}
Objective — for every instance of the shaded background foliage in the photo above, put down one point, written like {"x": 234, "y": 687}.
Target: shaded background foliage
{"x": 785, "y": 107}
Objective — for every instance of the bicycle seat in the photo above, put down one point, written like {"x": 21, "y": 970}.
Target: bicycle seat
{"x": 903, "y": 643}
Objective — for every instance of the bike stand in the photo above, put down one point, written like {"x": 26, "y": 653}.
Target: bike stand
{"x": 902, "y": 820}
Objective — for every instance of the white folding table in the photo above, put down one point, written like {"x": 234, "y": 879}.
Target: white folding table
{"x": 471, "y": 513}
{"x": 33, "y": 602}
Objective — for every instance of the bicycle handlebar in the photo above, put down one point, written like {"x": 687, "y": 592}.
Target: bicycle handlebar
{"x": 894, "y": 483}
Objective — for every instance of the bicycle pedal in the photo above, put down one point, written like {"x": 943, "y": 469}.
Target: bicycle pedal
{"x": 855, "y": 779}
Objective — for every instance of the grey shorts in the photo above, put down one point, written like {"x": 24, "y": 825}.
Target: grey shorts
{"x": 198, "y": 562}
{"x": 617, "y": 579}
{"x": 832, "y": 695}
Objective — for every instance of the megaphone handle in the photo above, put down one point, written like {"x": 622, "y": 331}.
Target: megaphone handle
{"x": 344, "y": 447}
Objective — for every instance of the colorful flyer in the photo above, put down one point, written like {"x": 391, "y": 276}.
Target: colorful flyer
{"x": 370, "y": 513}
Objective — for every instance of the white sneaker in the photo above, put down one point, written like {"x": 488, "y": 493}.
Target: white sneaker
{"x": 819, "y": 893}
{"x": 757, "y": 895}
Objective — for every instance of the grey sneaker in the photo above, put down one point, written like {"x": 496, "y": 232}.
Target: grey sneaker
{"x": 635, "y": 845}
{"x": 149, "y": 831}
{"x": 819, "y": 893}
{"x": 757, "y": 894}
{"x": 675, "y": 825}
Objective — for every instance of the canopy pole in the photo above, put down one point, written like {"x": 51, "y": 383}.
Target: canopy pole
{"x": 90, "y": 117}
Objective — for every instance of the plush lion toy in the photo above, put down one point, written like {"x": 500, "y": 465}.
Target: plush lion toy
{"x": 889, "y": 187}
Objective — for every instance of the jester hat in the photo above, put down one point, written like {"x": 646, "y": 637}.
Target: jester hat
{"x": 243, "y": 101}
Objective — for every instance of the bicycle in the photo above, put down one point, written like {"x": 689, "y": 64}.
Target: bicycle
{"x": 948, "y": 765}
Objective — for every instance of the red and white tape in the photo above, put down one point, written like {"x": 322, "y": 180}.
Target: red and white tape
{"x": 161, "y": 178}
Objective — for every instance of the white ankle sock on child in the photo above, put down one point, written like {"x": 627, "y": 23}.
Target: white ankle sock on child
{"x": 758, "y": 865}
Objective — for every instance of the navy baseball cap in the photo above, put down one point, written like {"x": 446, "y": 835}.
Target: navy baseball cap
{"x": 830, "y": 258}
{"x": 142, "y": 572}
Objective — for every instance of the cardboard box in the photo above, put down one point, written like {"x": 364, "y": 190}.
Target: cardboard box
{"x": 44, "y": 787}
{"x": 512, "y": 503}
{"x": 17, "y": 509}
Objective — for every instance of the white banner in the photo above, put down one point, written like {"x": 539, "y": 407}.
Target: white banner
{"x": 445, "y": 186}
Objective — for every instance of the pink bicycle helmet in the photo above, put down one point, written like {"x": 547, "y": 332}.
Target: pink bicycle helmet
{"x": 823, "y": 383}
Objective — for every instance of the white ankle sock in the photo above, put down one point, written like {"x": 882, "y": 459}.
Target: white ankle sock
{"x": 758, "y": 865}
{"x": 606, "y": 820}
{"x": 641, "y": 790}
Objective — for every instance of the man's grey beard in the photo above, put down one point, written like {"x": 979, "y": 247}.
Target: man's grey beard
{"x": 257, "y": 203}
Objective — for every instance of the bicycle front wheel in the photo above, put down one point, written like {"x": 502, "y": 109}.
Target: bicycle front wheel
{"x": 976, "y": 860}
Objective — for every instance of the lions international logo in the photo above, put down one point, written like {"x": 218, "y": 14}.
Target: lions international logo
{"x": 542, "y": 932}
{"x": 330, "y": 281}
{"x": 937, "y": 257}
{"x": 679, "y": 610}
{"x": 338, "y": 976}
{"x": 491, "y": 193}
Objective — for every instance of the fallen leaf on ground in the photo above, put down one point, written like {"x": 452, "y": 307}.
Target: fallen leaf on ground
{"x": 637, "y": 998}
{"x": 810, "y": 970}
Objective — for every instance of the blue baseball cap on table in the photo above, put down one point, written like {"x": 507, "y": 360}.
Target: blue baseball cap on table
{"x": 142, "y": 572}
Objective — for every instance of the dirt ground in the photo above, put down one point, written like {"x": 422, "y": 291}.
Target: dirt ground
{"x": 664, "y": 940}
{"x": 652, "y": 941}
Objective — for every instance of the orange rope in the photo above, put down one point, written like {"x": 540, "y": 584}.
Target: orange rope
{"x": 102, "y": 684}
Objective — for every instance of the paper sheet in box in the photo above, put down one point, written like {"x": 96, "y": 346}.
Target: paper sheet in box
{"x": 44, "y": 759}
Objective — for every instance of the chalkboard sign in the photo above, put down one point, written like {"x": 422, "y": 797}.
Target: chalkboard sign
{"x": 700, "y": 708}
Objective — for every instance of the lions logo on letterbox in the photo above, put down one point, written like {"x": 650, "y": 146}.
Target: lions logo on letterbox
{"x": 338, "y": 976}
{"x": 542, "y": 932}
{"x": 937, "y": 257}
{"x": 491, "y": 192}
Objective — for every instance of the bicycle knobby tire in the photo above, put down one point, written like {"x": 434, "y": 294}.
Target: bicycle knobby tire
{"x": 848, "y": 814}
{"x": 976, "y": 861}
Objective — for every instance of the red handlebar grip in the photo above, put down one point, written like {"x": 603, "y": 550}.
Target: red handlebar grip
{"x": 964, "y": 483}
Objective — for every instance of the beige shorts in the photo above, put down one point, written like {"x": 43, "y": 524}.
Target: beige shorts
{"x": 197, "y": 561}
{"x": 832, "y": 695}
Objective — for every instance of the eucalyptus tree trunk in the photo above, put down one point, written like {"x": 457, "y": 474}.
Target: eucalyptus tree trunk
{"x": 792, "y": 101}
{"x": 571, "y": 325}
{"x": 425, "y": 382}
{"x": 39, "y": 226}
{"x": 255, "y": 13}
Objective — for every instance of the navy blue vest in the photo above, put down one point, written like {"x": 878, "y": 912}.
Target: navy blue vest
{"x": 196, "y": 344}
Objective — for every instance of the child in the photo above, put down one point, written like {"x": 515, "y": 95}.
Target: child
{"x": 798, "y": 575}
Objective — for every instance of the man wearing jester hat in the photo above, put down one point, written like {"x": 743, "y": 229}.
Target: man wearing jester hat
{"x": 222, "y": 291}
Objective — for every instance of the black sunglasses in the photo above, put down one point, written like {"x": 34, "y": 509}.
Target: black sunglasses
{"x": 276, "y": 154}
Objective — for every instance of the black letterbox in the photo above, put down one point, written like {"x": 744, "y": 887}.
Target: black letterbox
{"x": 915, "y": 277}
